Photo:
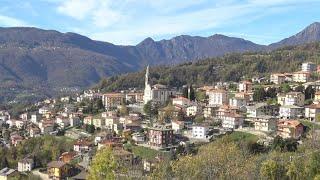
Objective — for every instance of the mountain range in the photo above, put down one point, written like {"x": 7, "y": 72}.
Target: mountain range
{"x": 32, "y": 57}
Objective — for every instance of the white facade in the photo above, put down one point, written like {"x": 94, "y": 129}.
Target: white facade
{"x": 232, "y": 121}
{"x": 25, "y": 165}
{"x": 291, "y": 98}
{"x": 237, "y": 102}
{"x": 157, "y": 93}
{"x": 218, "y": 97}
{"x": 182, "y": 101}
{"x": 291, "y": 111}
{"x": 265, "y": 123}
{"x": 193, "y": 110}
{"x": 277, "y": 78}
{"x": 312, "y": 111}
{"x": 309, "y": 67}
{"x": 200, "y": 132}
{"x": 301, "y": 77}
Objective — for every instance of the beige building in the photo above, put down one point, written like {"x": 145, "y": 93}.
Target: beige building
{"x": 301, "y": 76}
{"x": 277, "y": 78}
{"x": 218, "y": 97}
{"x": 113, "y": 100}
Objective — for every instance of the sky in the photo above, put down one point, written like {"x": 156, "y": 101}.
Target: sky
{"x": 128, "y": 22}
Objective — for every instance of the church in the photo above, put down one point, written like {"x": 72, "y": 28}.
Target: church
{"x": 157, "y": 93}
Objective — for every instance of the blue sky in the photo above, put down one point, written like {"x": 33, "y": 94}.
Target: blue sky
{"x": 128, "y": 22}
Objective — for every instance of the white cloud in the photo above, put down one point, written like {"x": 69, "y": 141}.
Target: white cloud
{"x": 10, "y": 21}
{"x": 78, "y": 9}
{"x": 130, "y": 21}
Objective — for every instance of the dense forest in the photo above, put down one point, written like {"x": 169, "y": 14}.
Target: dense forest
{"x": 231, "y": 67}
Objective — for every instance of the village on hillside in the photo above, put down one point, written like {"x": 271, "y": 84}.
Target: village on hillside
{"x": 145, "y": 127}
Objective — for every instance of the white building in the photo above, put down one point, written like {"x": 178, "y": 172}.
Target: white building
{"x": 36, "y": 118}
{"x": 182, "y": 101}
{"x": 177, "y": 126}
{"x": 25, "y": 165}
{"x": 265, "y": 123}
{"x": 301, "y": 76}
{"x": 245, "y": 86}
{"x": 308, "y": 67}
{"x": 193, "y": 110}
{"x": 277, "y": 78}
{"x": 261, "y": 109}
{"x": 74, "y": 121}
{"x": 291, "y": 112}
{"x": 200, "y": 132}
{"x": 157, "y": 93}
{"x": 237, "y": 102}
{"x": 232, "y": 121}
{"x": 218, "y": 97}
{"x": 291, "y": 98}
{"x": 311, "y": 111}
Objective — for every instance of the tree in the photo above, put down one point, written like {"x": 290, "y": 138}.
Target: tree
{"x": 103, "y": 165}
{"x": 309, "y": 92}
{"x": 271, "y": 169}
{"x": 313, "y": 164}
{"x": 299, "y": 88}
{"x": 259, "y": 94}
{"x": 285, "y": 88}
{"x": 150, "y": 109}
{"x": 200, "y": 96}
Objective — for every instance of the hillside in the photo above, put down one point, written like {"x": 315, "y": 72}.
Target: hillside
{"x": 231, "y": 67}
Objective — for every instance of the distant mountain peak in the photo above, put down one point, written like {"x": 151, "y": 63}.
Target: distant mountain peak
{"x": 309, "y": 34}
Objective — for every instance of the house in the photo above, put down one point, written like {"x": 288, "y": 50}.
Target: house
{"x": 265, "y": 123}
{"x": 43, "y": 110}
{"x": 113, "y": 100}
{"x": 36, "y": 118}
{"x": 110, "y": 121}
{"x": 46, "y": 126}
{"x": 316, "y": 97}
{"x": 99, "y": 122}
{"x": 7, "y": 173}
{"x": 245, "y": 86}
{"x": 312, "y": 111}
{"x": 277, "y": 78}
{"x": 301, "y": 76}
{"x": 291, "y": 111}
{"x": 260, "y": 109}
{"x": 308, "y": 67}
{"x": 177, "y": 126}
{"x": 62, "y": 122}
{"x": 290, "y": 129}
{"x": 209, "y": 112}
{"x": 74, "y": 121}
{"x": 232, "y": 121}
{"x": 134, "y": 97}
{"x": 67, "y": 157}
{"x": 110, "y": 142}
{"x": 16, "y": 139}
{"x": 25, "y": 165}
{"x": 20, "y": 124}
{"x": 24, "y": 116}
{"x": 34, "y": 131}
{"x": 218, "y": 97}
{"x": 182, "y": 101}
{"x": 88, "y": 120}
{"x": 193, "y": 110}
{"x": 237, "y": 102}
{"x": 160, "y": 136}
{"x": 138, "y": 138}
{"x": 294, "y": 98}
{"x": 291, "y": 98}
{"x": 82, "y": 146}
{"x": 57, "y": 170}
{"x": 201, "y": 132}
